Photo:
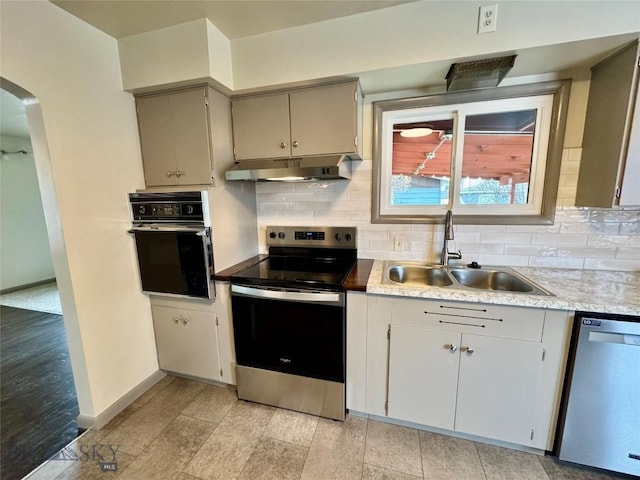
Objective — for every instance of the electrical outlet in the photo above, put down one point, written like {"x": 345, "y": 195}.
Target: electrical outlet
{"x": 488, "y": 18}
{"x": 399, "y": 243}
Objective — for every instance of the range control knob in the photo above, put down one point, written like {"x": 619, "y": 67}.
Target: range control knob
{"x": 272, "y": 234}
{"x": 142, "y": 209}
{"x": 348, "y": 237}
{"x": 338, "y": 237}
{"x": 281, "y": 235}
{"x": 189, "y": 209}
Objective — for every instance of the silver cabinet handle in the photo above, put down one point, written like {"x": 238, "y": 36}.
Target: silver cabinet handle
{"x": 185, "y": 320}
{"x": 176, "y": 320}
{"x": 170, "y": 173}
{"x": 283, "y": 145}
{"x": 295, "y": 143}
{"x": 469, "y": 350}
{"x": 179, "y": 173}
{"x": 452, "y": 347}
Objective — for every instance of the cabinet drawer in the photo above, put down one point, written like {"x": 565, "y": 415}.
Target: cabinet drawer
{"x": 478, "y": 318}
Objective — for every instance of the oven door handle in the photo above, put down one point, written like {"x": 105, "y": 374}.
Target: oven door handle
{"x": 200, "y": 231}
{"x": 300, "y": 296}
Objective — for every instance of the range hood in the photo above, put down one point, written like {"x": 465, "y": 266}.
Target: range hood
{"x": 324, "y": 167}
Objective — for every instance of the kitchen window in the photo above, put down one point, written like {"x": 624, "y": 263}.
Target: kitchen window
{"x": 491, "y": 156}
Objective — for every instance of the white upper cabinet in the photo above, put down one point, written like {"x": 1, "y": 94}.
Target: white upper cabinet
{"x": 610, "y": 166}
{"x": 311, "y": 121}
{"x": 175, "y": 137}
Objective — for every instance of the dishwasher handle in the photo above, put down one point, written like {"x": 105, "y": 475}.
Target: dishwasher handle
{"x": 620, "y": 338}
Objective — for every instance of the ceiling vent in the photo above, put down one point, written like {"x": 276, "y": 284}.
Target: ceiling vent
{"x": 485, "y": 73}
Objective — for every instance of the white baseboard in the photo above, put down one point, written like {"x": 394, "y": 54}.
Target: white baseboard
{"x": 450, "y": 433}
{"x": 99, "y": 421}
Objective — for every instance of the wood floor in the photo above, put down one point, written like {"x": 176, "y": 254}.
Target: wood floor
{"x": 39, "y": 406}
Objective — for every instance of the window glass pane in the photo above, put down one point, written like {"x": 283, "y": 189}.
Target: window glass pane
{"x": 498, "y": 150}
{"x": 421, "y": 163}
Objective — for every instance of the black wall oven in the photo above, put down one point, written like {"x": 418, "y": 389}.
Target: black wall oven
{"x": 173, "y": 242}
{"x": 289, "y": 321}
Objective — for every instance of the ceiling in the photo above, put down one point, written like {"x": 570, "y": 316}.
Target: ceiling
{"x": 238, "y": 18}
{"x": 234, "y": 18}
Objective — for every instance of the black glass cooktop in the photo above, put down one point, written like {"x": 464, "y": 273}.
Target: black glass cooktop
{"x": 325, "y": 269}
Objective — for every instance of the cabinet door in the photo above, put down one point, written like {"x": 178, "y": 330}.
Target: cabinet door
{"x": 187, "y": 342}
{"x": 324, "y": 120}
{"x": 224, "y": 322}
{"x": 156, "y": 141}
{"x": 261, "y": 127}
{"x": 191, "y": 138}
{"x": 423, "y": 376}
{"x": 612, "y": 94}
{"x": 497, "y": 388}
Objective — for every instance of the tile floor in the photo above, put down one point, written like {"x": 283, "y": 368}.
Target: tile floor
{"x": 185, "y": 430}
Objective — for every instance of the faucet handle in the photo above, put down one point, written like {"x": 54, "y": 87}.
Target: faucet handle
{"x": 455, "y": 255}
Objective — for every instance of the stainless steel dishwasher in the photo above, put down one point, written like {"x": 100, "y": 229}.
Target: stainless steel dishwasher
{"x": 602, "y": 394}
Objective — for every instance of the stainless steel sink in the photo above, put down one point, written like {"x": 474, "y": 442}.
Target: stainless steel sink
{"x": 488, "y": 279}
{"x": 419, "y": 275}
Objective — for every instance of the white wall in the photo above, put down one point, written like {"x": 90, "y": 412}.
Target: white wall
{"x": 184, "y": 52}
{"x": 25, "y": 256}
{"x": 419, "y": 32}
{"x": 91, "y": 149}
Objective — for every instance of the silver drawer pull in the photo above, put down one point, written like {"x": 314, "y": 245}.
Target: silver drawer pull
{"x": 469, "y": 350}
{"x": 452, "y": 347}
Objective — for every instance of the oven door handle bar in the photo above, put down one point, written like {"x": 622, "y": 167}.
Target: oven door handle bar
{"x": 295, "y": 295}
{"x": 200, "y": 231}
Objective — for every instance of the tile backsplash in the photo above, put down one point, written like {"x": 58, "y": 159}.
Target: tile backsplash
{"x": 582, "y": 238}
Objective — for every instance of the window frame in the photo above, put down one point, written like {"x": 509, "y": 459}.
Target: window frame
{"x": 545, "y": 201}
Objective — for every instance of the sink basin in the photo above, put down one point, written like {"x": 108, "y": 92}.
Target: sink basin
{"x": 491, "y": 280}
{"x": 419, "y": 275}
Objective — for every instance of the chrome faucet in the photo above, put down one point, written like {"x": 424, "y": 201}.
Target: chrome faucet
{"x": 446, "y": 255}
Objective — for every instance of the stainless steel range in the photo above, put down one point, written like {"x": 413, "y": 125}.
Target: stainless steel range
{"x": 289, "y": 320}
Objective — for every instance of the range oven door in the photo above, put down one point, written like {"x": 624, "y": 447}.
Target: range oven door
{"x": 298, "y": 332}
{"x": 175, "y": 260}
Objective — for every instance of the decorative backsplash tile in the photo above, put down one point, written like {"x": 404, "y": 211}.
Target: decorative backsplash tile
{"x": 583, "y": 238}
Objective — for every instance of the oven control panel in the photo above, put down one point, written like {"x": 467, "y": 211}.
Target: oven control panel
{"x": 169, "y": 207}
{"x": 328, "y": 237}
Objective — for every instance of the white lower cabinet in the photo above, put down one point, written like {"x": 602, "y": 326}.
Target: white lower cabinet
{"x": 496, "y": 387}
{"x": 187, "y": 341}
{"x": 195, "y": 338}
{"x": 484, "y": 370}
{"x": 423, "y": 376}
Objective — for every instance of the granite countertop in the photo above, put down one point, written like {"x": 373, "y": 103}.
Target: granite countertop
{"x": 586, "y": 290}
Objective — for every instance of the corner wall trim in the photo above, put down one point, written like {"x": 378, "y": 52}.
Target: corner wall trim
{"x": 99, "y": 421}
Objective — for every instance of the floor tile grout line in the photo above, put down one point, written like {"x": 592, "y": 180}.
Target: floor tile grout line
{"x": 206, "y": 439}
{"x": 420, "y": 451}
{"x": 547, "y": 474}
{"x": 253, "y": 450}
{"x": 475, "y": 449}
